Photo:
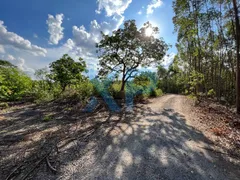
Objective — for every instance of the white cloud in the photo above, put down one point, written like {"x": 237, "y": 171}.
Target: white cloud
{"x": 20, "y": 63}
{"x": 2, "y": 50}
{"x": 10, "y": 57}
{"x": 112, "y": 7}
{"x": 153, "y": 5}
{"x": 81, "y": 36}
{"x": 168, "y": 59}
{"x": 140, "y": 12}
{"x": 86, "y": 40}
{"x": 17, "y": 42}
{"x": 83, "y": 42}
{"x": 54, "y": 28}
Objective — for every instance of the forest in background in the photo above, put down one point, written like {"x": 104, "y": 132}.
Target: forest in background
{"x": 208, "y": 48}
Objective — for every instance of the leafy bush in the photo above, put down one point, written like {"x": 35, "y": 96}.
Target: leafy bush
{"x": 48, "y": 118}
{"x": 211, "y": 93}
{"x": 196, "y": 79}
{"x": 136, "y": 91}
{"x": 44, "y": 91}
{"x": 142, "y": 80}
{"x": 80, "y": 92}
{"x": 84, "y": 90}
{"x": 14, "y": 84}
{"x": 3, "y": 105}
{"x": 156, "y": 93}
{"x": 115, "y": 88}
{"x": 43, "y": 96}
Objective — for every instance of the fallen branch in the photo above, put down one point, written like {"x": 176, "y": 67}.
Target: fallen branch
{"x": 37, "y": 164}
{"x": 13, "y": 172}
{"x": 50, "y": 166}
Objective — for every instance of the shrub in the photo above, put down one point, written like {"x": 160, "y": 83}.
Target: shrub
{"x": 14, "y": 84}
{"x": 80, "y": 92}
{"x": 136, "y": 91}
{"x": 211, "y": 93}
{"x": 84, "y": 90}
{"x": 141, "y": 80}
{"x": 44, "y": 91}
{"x": 48, "y": 117}
{"x": 3, "y": 105}
{"x": 115, "y": 88}
{"x": 156, "y": 93}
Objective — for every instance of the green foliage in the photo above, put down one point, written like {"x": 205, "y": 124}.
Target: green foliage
{"x": 45, "y": 91}
{"x": 84, "y": 90}
{"x": 141, "y": 80}
{"x": 173, "y": 79}
{"x": 80, "y": 92}
{"x": 211, "y": 93}
{"x": 66, "y": 71}
{"x": 128, "y": 48}
{"x": 14, "y": 84}
{"x": 156, "y": 93}
{"x": 115, "y": 88}
{"x": 138, "y": 91}
{"x": 207, "y": 44}
{"x": 196, "y": 79}
{"x": 3, "y": 105}
{"x": 64, "y": 80}
{"x": 4, "y": 63}
{"x": 161, "y": 72}
{"x": 47, "y": 118}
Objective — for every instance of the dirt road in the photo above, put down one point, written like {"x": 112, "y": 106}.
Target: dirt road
{"x": 155, "y": 142}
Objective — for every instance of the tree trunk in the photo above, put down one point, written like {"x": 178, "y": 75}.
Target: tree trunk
{"x": 122, "y": 91}
{"x": 238, "y": 55}
{"x": 123, "y": 85}
{"x": 123, "y": 79}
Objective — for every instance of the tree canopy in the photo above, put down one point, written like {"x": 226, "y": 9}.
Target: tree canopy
{"x": 14, "y": 83}
{"x": 129, "y": 48}
{"x": 66, "y": 71}
{"x": 6, "y": 63}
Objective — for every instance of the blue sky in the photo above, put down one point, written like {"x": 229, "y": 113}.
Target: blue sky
{"x": 35, "y": 33}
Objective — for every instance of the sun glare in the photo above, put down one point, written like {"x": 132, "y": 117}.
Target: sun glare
{"x": 148, "y": 31}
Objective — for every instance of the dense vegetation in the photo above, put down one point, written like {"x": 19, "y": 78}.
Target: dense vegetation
{"x": 208, "y": 48}
{"x": 122, "y": 52}
{"x": 14, "y": 84}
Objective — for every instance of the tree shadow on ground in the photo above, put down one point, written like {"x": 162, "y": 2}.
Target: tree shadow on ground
{"x": 142, "y": 144}
{"x": 25, "y": 136}
{"x": 148, "y": 145}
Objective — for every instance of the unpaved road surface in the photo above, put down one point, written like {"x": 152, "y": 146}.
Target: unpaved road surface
{"x": 154, "y": 141}
{"x": 157, "y": 141}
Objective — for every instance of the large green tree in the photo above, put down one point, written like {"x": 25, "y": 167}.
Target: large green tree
{"x": 66, "y": 71}
{"x": 126, "y": 49}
